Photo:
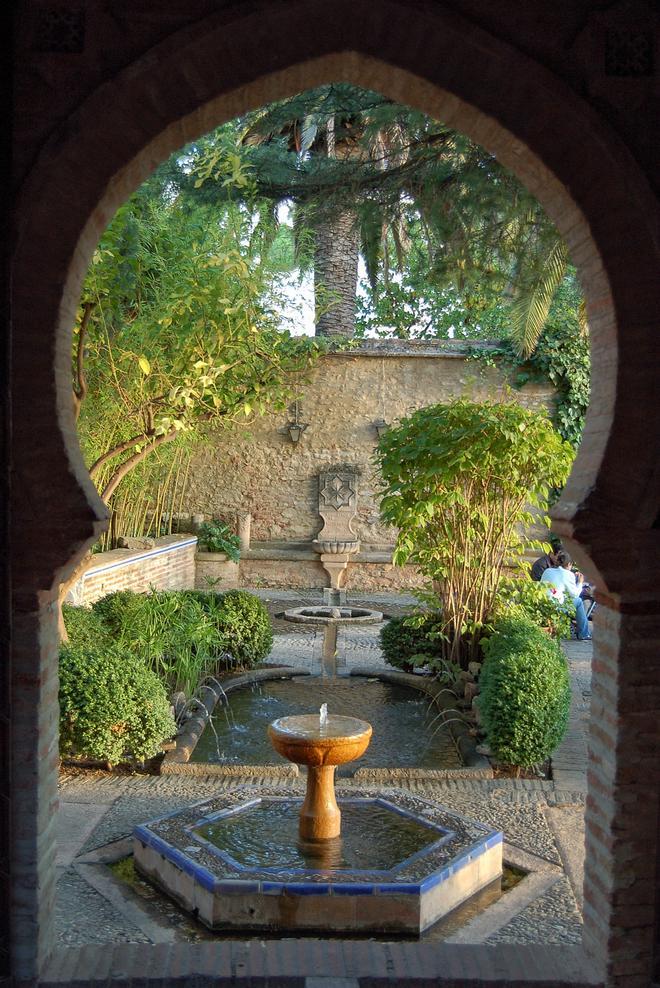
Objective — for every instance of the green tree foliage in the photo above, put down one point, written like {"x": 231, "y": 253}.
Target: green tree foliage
{"x": 176, "y": 329}
{"x": 525, "y": 692}
{"x": 424, "y": 199}
{"x": 460, "y": 482}
{"x": 561, "y": 357}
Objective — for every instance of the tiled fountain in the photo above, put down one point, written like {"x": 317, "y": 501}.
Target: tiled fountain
{"x": 373, "y": 861}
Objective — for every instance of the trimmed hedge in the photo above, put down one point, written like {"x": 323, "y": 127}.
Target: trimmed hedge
{"x": 111, "y": 706}
{"x": 84, "y": 626}
{"x": 525, "y": 692}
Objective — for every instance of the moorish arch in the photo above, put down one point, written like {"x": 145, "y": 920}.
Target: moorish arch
{"x": 182, "y": 86}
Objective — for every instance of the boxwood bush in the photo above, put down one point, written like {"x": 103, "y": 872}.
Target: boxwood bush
{"x": 406, "y": 644}
{"x": 525, "y": 692}
{"x": 113, "y": 607}
{"x": 242, "y": 622}
{"x": 111, "y": 706}
{"x": 84, "y": 626}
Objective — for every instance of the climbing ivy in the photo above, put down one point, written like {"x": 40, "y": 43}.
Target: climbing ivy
{"x": 561, "y": 357}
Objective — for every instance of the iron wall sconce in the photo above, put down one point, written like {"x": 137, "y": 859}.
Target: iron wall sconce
{"x": 381, "y": 427}
{"x": 295, "y": 430}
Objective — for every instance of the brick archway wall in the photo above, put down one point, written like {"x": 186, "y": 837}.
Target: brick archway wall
{"x": 209, "y": 71}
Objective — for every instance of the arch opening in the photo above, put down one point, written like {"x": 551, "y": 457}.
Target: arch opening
{"x": 595, "y": 498}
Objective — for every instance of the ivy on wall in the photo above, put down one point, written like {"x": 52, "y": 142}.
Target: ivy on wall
{"x": 561, "y": 357}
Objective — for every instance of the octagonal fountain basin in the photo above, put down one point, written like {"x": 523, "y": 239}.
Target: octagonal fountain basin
{"x": 236, "y": 862}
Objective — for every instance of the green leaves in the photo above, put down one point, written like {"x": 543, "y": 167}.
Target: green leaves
{"x": 460, "y": 482}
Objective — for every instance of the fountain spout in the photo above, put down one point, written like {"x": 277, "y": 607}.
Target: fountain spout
{"x": 323, "y": 715}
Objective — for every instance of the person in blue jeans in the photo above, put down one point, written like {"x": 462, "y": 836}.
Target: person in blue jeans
{"x": 561, "y": 581}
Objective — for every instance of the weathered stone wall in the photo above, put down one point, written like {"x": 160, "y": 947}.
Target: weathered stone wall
{"x": 256, "y": 468}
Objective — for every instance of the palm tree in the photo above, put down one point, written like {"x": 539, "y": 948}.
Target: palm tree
{"x": 359, "y": 172}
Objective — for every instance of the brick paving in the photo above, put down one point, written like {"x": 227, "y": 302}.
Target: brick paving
{"x": 541, "y": 819}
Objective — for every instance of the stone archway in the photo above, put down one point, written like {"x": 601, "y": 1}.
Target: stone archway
{"x": 183, "y": 86}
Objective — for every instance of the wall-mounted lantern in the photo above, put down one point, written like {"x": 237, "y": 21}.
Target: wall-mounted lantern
{"x": 381, "y": 427}
{"x": 296, "y": 428}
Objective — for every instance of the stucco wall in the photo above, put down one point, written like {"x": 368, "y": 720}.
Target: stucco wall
{"x": 256, "y": 468}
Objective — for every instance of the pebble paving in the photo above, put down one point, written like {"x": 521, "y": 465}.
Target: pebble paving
{"x": 514, "y": 806}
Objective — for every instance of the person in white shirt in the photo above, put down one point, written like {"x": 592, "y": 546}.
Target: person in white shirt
{"x": 561, "y": 581}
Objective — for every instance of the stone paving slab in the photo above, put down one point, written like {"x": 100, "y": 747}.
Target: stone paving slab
{"x": 75, "y": 824}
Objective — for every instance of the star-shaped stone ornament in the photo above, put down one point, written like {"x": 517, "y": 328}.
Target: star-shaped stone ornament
{"x": 337, "y": 492}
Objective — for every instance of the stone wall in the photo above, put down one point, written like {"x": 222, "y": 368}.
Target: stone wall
{"x": 170, "y": 565}
{"x": 256, "y": 468}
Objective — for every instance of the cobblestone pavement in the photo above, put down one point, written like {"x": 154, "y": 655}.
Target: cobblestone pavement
{"x": 542, "y": 820}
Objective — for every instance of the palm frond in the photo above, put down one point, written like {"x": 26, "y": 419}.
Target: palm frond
{"x": 533, "y": 294}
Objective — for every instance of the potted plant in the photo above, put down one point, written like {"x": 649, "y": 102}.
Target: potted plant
{"x": 216, "y": 562}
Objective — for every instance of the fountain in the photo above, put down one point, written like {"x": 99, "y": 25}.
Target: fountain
{"x": 320, "y": 743}
{"x": 330, "y": 618}
{"x": 388, "y": 861}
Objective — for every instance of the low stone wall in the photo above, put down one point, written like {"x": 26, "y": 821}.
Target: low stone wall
{"x": 215, "y": 571}
{"x": 170, "y": 565}
{"x": 300, "y": 570}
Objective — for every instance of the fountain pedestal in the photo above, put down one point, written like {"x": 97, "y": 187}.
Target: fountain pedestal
{"x": 320, "y": 747}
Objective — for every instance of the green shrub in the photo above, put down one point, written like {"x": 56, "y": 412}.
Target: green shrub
{"x": 243, "y": 624}
{"x": 215, "y": 536}
{"x": 406, "y": 644}
{"x": 113, "y": 607}
{"x": 111, "y": 706}
{"x": 460, "y": 482}
{"x": 84, "y": 626}
{"x": 527, "y": 598}
{"x": 171, "y": 632}
{"x": 185, "y": 634}
{"x": 525, "y": 692}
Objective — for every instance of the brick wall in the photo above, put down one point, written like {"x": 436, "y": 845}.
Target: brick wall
{"x": 170, "y": 565}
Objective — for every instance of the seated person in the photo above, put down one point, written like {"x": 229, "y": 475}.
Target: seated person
{"x": 542, "y": 564}
{"x": 561, "y": 581}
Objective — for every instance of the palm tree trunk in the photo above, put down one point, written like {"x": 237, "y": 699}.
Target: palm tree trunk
{"x": 335, "y": 273}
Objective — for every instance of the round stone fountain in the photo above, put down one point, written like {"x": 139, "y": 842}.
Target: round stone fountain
{"x": 331, "y": 618}
{"x": 320, "y": 743}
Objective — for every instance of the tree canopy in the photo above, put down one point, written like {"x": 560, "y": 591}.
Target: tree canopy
{"x": 434, "y": 215}
{"x": 176, "y": 328}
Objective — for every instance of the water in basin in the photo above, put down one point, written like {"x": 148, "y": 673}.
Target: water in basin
{"x": 373, "y": 838}
{"x": 399, "y": 716}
